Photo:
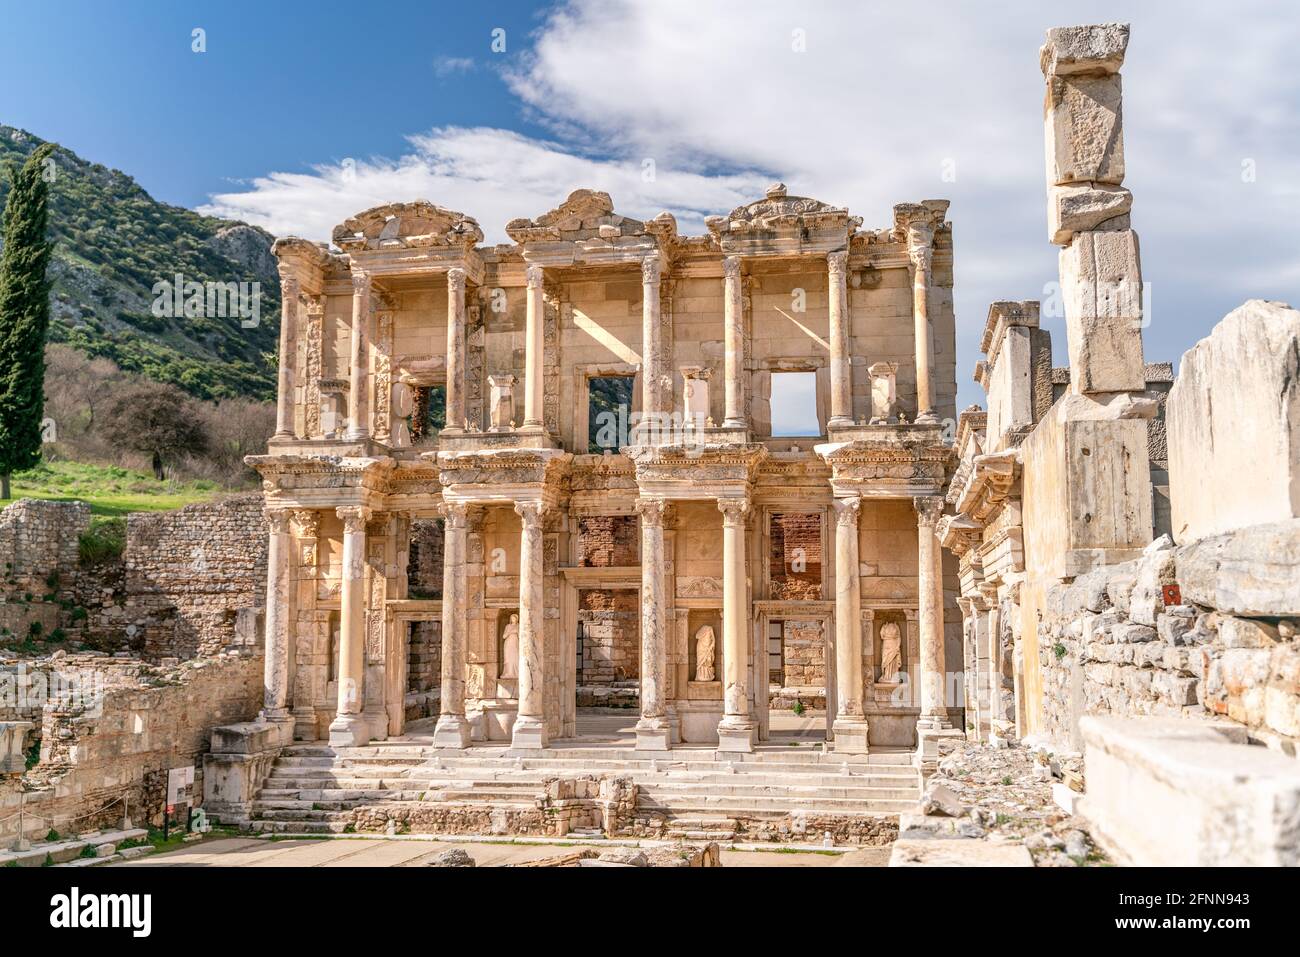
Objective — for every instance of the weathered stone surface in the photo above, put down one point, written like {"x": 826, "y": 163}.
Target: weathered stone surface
{"x": 1237, "y": 401}
{"x": 1182, "y": 794}
{"x": 958, "y": 853}
{"x": 1155, "y": 569}
{"x": 456, "y": 857}
{"x": 940, "y": 800}
{"x": 1084, "y": 128}
{"x": 1085, "y": 206}
{"x": 1101, "y": 283}
{"x": 1251, "y": 572}
{"x": 1090, "y": 48}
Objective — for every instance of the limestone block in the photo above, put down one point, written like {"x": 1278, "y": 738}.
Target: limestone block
{"x": 1101, "y": 284}
{"x": 1168, "y": 792}
{"x": 1084, "y": 206}
{"x": 958, "y": 852}
{"x": 1154, "y": 570}
{"x": 1084, "y": 128}
{"x": 1090, "y": 48}
{"x": 1250, "y": 572}
{"x": 1237, "y": 400}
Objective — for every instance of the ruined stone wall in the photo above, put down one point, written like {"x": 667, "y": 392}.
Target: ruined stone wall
{"x": 1199, "y": 630}
{"x": 796, "y": 556}
{"x": 120, "y": 741}
{"x": 196, "y": 578}
{"x": 39, "y": 546}
{"x": 608, "y": 541}
{"x": 803, "y": 654}
{"x": 611, "y": 647}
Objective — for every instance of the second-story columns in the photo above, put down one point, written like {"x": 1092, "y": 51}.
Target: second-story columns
{"x": 733, "y": 321}
{"x": 535, "y": 346}
{"x": 359, "y": 369}
{"x": 289, "y": 290}
{"x": 920, "y": 249}
{"x": 841, "y": 369}
{"x": 456, "y": 348}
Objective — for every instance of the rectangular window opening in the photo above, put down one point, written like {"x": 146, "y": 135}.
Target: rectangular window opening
{"x": 429, "y": 415}
{"x": 794, "y": 405}
{"x": 609, "y": 412}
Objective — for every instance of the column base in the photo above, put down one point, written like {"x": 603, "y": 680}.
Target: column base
{"x": 528, "y": 734}
{"x": 735, "y": 736}
{"x": 452, "y": 731}
{"x": 654, "y": 734}
{"x": 283, "y": 721}
{"x": 840, "y": 422}
{"x": 349, "y": 731}
{"x": 850, "y": 735}
{"x": 926, "y": 758}
{"x": 926, "y": 418}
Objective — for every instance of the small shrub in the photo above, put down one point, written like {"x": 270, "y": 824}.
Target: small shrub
{"x": 798, "y": 708}
{"x": 52, "y": 835}
{"x": 88, "y": 851}
{"x": 1006, "y": 779}
{"x": 1059, "y": 650}
{"x": 104, "y": 541}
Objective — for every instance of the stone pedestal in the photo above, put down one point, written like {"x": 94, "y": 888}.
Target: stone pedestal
{"x": 349, "y": 728}
{"x": 12, "y": 758}
{"x": 502, "y": 403}
{"x": 736, "y": 729}
{"x": 884, "y": 392}
{"x": 453, "y": 730}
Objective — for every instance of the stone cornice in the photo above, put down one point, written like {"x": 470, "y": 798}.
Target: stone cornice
{"x": 1002, "y": 316}
{"x": 992, "y": 477}
{"x": 420, "y": 224}
{"x": 959, "y": 533}
{"x": 897, "y": 462}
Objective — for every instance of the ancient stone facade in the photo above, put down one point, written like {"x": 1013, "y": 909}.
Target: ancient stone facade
{"x": 676, "y": 550}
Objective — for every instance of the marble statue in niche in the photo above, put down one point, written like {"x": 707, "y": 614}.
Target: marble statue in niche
{"x": 704, "y": 642}
{"x": 510, "y": 649}
{"x": 891, "y": 653}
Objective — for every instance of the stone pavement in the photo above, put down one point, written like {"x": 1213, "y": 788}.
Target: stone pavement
{"x": 365, "y": 852}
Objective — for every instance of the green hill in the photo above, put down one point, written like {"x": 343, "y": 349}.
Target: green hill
{"x": 114, "y": 243}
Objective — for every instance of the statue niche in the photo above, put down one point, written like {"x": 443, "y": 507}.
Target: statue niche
{"x": 891, "y": 653}
{"x": 509, "y": 648}
{"x": 705, "y": 669}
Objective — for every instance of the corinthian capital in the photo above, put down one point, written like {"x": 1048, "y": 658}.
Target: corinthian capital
{"x": 354, "y": 518}
{"x": 277, "y": 521}
{"x": 456, "y": 279}
{"x": 928, "y": 509}
{"x": 733, "y": 511}
{"x": 652, "y": 511}
{"x": 846, "y": 511}
{"x": 731, "y": 267}
{"x": 836, "y": 264}
{"x": 360, "y": 282}
{"x": 535, "y": 276}
{"x": 920, "y": 245}
{"x": 530, "y": 512}
{"x": 455, "y": 514}
{"x": 651, "y": 270}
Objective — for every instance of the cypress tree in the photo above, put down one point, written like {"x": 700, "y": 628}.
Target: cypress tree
{"x": 24, "y": 316}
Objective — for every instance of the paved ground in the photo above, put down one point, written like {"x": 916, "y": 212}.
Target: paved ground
{"x": 362, "y": 852}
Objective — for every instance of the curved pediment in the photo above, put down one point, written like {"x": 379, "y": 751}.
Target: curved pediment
{"x": 779, "y": 210}
{"x": 587, "y": 214}
{"x": 416, "y": 224}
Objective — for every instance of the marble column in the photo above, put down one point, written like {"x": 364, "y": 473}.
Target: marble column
{"x": 934, "y": 715}
{"x": 652, "y": 379}
{"x": 455, "y": 348}
{"x": 733, "y": 324}
{"x": 850, "y": 719}
{"x": 920, "y": 249}
{"x": 452, "y": 729}
{"x": 736, "y": 730}
{"x": 349, "y": 728}
{"x": 530, "y": 724}
{"x": 277, "y": 671}
{"x": 841, "y": 368}
{"x": 653, "y": 732}
{"x": 535, "y": 346}
{"x": 359, "y": 369}
{"x": 289, "y": 290}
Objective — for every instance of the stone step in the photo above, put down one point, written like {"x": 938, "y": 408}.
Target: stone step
{"x": 866, "y": 794}
{"x": 411, "y": 753}
{"x": 431, "y": 777}
{"x": 749, "y": 806}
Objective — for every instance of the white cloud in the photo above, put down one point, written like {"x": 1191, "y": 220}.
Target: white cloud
{"x": 881, "y": 99}
{"x": 449, "y": 65}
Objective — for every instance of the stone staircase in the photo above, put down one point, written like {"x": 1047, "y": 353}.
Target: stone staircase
{"x": 693, "y": 793}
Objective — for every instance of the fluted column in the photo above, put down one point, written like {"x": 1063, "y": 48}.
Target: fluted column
{"x": 920, "y": 249}
{"x": 530, "y": 723}
{"x": 289, "y": 290}
{"x": 455, "y": 348}
{"x": 841, "y": 369}
{"x": 850, "y": 720}
{"x": 276, "y": 674}
{"x": 652, "y": 731}
{"x": 930, "y": 613}
{"x": 535, "y": 346}
{"x": 736, "y": 730}
{"x": 349, "y": 727}
{"x": 733, "y": 321}
{"x": 452, "y": 730}
{"x": 359, "y": 369}
{"x": 652, "y": 384}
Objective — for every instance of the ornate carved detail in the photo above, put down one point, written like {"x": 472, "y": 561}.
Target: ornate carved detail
{"x": 360, "y": 282}
{"x": 733, "y": 511}
{"x": 354, "y": 518}
{"x": 652, "y": 511}
{"x": 531, "y": 512}
{"x": 846, "y": 511}
{"x": 778, "y": 209}
{"x": 535, "y": 276}
{"x": 928, "y": 509}
{"x": 836, "y": 265}
{"x": 277, "y": 521}
{"x": 456, "y": 280}
{"x": 731, "y": 268}
{"x": 315, "y": 342}
{"x": 456, "y": 514}
{"x": 412, "y": 225}
{"x": 308, "y": 522}
{"x": 588, "y": 214}
{"x": 383, "y": 377}
{"x": 651, "y": 269}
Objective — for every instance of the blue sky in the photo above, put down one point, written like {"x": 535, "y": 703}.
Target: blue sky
{"x": 299, "y": 114}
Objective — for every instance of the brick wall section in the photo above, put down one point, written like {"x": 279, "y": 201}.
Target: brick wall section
{"x": 146, "y": 721}
{"x": 196, "y": 576}
{"x": 424, "y": 566}
{"x": 608, "y": 541}
{"x": 612, "y": 648}
{"x": 796, "y": 543}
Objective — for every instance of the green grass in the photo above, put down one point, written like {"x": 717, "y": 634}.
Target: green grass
{"x": 108, "y": 490}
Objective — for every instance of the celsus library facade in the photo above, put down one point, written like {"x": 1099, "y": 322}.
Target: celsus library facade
{"x": 512, "y": 481}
